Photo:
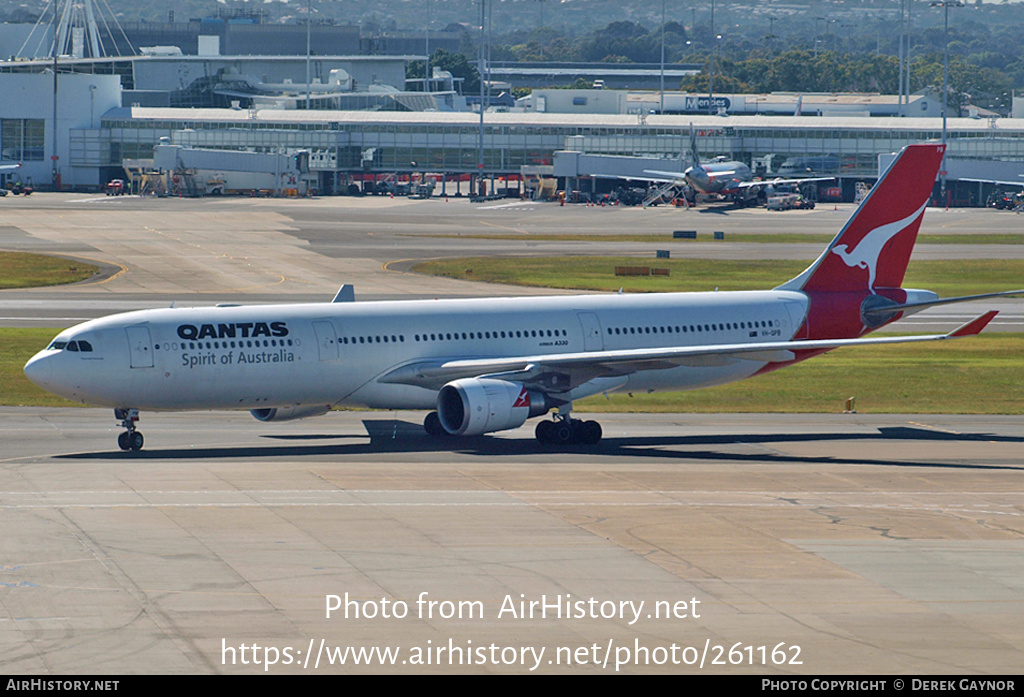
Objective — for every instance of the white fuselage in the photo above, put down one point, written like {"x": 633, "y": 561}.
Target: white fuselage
{"x": 717, "y": 178}
{"x": 253, "y": 357}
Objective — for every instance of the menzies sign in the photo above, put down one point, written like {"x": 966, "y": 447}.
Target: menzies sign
{"x": 705, "y": 103}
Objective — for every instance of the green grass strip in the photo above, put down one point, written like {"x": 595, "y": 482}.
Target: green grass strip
{"x": 731, "y": 237}
{"x": 946, "y": 277}
{"x": 17, "y": 345}
{"x": 977, "y": 375}
{"x": 24, "y": 270}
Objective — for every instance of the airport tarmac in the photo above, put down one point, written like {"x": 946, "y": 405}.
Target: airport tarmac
{"x": 807, "y": 544}
{"x": 783, "y": 544}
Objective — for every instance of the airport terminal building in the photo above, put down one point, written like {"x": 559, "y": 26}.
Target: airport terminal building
{"x": 81, "y": 138}
{"x": 346, "y": 143}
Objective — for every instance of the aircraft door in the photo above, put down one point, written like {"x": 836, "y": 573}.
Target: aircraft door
{"x": 140, "y": 347}
{"x": 796, "y": 319}
{"x": 592, "y": 339}
{"x": 326, "y": 340}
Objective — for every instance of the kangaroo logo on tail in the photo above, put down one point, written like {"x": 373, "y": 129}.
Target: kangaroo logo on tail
{"x": 879, "y": 237}
{"x": 865, "y": 254}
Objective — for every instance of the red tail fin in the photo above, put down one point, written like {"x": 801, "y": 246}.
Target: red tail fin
{"x": 873, "y": 249}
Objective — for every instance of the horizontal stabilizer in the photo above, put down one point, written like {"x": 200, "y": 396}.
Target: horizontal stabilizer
{"x": 888, "y": 309}
{"x": 974, "y": 326}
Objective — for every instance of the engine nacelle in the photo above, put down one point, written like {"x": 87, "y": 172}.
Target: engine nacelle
{"x": 288, "y": 413}
{"x": 473, "y": 406}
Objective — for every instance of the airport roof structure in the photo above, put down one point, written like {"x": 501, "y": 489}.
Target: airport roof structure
{"x": 1001, "y": 128}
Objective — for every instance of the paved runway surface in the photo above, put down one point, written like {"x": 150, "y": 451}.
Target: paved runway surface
{"x": 782, "y": 543}
{"x": 840, "y": 544}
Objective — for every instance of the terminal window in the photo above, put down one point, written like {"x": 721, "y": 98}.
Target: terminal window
{"x": 22, "y": 139}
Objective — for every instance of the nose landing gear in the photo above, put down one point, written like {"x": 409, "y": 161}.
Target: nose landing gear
{"x": 130, "y": 439}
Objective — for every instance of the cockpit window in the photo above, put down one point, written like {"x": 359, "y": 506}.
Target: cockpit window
{"x": 80, "y": 345}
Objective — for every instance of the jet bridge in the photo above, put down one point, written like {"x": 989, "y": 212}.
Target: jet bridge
{"x": 199, "y": 172}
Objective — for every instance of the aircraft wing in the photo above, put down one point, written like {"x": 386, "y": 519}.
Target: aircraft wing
{"x": 569, "y": 370}
{"x": 778, "y": 182}
{"x": 660, "y": 176}
{"x": 999, "y": 182}
{"x": 672, "y": 176}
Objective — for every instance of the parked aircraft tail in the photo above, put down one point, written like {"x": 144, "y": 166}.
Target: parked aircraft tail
{"x": 694, "y": 156}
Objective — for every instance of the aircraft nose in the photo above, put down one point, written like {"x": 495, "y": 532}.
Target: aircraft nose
{"x": 39, "y": 370}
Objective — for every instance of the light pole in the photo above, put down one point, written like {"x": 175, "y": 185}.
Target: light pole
{"x": 53, "y": 134}
{"x": 426, "y": 74}
{"x": 662, "y": 109}
{"x": 480, "y": 63}
{"x": 906, "y": 66}
{"x": 903, "y": 37}
{"x": 945, "y": 5}
{"x": 711, "y": 78}
{"x": 308, "y": 51}
{"x": 711, "y": 70}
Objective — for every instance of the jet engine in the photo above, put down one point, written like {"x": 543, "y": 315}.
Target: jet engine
{"x": 473, "y": 406}
{"x": 288, "y": 413}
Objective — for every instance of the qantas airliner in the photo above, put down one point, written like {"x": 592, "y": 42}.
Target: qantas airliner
{"x": 487, "y": 365}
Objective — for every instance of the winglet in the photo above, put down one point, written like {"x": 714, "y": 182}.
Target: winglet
{"x": 974, "y": 326}
{"x": 346, "y": 294}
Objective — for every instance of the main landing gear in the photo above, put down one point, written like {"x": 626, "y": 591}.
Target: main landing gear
{"x": 432, "y": 425}
{"x": 563, "y": 430}
{"x": 568, "y": 431}
{"x": 130, "y": 439}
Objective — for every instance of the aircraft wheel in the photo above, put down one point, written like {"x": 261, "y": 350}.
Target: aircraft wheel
{"x": 135, "y": 440}
{"x": 123, "y": 441}
{"x": 563, "y": 433}
{"x": 590, "y": 433}
{"x": 545, "y": 431}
